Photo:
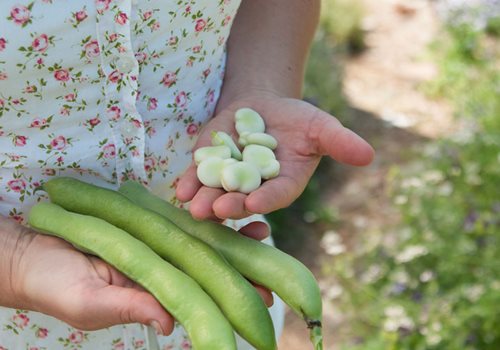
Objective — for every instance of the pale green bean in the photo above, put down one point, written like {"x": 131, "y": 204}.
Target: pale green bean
{"x": 205, "y": 324}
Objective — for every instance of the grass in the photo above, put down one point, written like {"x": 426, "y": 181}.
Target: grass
{"x": 436, "y": 286}
{"x": 436, "y": 283}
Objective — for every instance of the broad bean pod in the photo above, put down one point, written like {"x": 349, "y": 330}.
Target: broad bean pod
{"x": 237, "y": 298}
{"x": 261, "y": 263}
{"x": 178, "y": 293}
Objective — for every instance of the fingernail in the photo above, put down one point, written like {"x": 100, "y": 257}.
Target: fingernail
{"x": 157, "y": 327}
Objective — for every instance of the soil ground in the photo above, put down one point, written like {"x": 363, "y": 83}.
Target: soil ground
{"x": 390, "y": 110}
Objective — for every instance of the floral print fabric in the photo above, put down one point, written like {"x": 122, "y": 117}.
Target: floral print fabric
{"x": 109, "y": 90}
{"x": 102, "y": 90}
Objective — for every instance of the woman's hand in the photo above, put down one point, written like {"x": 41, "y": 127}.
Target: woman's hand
{"x": 53, "y": 277}
{"x": 304, "y": 134}
{"x": 49, "y": 275}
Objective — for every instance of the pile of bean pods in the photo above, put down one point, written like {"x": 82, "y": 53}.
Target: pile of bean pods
{"x": 223, "y": 165}
{"x": 199, "y": 271}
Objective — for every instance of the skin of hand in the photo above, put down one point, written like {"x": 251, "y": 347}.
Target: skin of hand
{"x": 48, "y": 275}
{"x": 304, "y": 134}
{"x": 267, "y": 52}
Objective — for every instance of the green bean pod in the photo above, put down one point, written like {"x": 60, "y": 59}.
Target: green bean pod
{"x": 237, "y": 298}
{"x": 259, "y": 262}
{"x": 178, "y": 293}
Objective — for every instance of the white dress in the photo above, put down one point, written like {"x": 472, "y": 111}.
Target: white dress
{"x": 103, "y": 90}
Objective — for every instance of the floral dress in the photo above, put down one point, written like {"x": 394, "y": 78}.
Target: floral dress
{"x": 103, "y": 90}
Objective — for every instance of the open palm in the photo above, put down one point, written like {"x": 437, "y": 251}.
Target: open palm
{"x": 304, "y": 134}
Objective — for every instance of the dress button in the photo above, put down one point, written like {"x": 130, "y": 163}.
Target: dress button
{"x": 125, "y": 64}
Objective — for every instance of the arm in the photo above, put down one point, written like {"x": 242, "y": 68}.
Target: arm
{"x": 267, "y": 52}
{"x": 13, "y": 242}
{"x": 268, "y": 47}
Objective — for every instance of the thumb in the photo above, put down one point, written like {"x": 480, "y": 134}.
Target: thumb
{"x": 118, "y": 305}
{"x": 331, "y": 138}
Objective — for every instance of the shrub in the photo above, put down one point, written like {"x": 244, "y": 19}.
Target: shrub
{"x": 433, "y": 282}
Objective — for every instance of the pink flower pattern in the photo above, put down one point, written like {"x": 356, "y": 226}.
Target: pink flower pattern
{"x": 80, "y": 15}
{"x": 40, "y": 43}
{"x": 42, "y": 333}
{"x": 91, "y": 49}
{"x": 20, "y": 14}
{"x": 102, "y": 90}
{"x": 62, "y": 75}
{"x": 200, "y": 24}
{"x": 3, "y": 44}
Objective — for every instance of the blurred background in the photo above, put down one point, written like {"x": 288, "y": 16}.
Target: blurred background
{"x": 407, "y": 250}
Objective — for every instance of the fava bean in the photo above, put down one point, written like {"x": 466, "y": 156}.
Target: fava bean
{"x": 209, "y": 172}
{"x": 178, "y": 293}
{"x": 260, "y": 263}
{"x": 241, "y": 177}
{"x": 264, "y": 160}
{"x": 236, "y": 297}
{"x": 220, "y": 138}
{"x": 203, "y": 153}
{"x": 248, "y": 120}
{"x": 258, "y": 138}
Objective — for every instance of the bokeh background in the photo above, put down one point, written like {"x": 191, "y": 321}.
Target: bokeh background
{"x": 407, "y": 250}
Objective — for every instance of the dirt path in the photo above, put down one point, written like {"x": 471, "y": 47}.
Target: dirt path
{"x": 390, "y": 110}
{"x": 387, "y": 79}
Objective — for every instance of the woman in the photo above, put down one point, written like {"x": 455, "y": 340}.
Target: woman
{"x": 110, "y": 90}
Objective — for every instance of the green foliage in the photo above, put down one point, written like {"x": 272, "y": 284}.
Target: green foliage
{"x": 341, "y": 23}
{"x": 323, "y": 83}
{"x": 493, "y": 26}
{"x": 434, "y": 281}
{"x": 306, "y": 216}
{"x": 339, "y": 31}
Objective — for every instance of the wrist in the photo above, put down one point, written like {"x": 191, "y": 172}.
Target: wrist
{"x": 14, "y": 241}
{"x": 235, "y": 94}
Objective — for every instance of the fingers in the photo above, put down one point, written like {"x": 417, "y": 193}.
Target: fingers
{"x": 216, "y": 204}
{"x": 112, "y": 299}
{"x": 188, "y": 185}
{"x": 111, "y": 275}
{"x": 265, "y": 293}
{"x": 115, "y": 305}
{"x": 273, "y": 194}
{"x": 333, "y": 139}
{"x": 205, "y": 203}
{"x": 230, "y": 205}
{"x": 202, "y": 203}
{"x": 257, "y": 230}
